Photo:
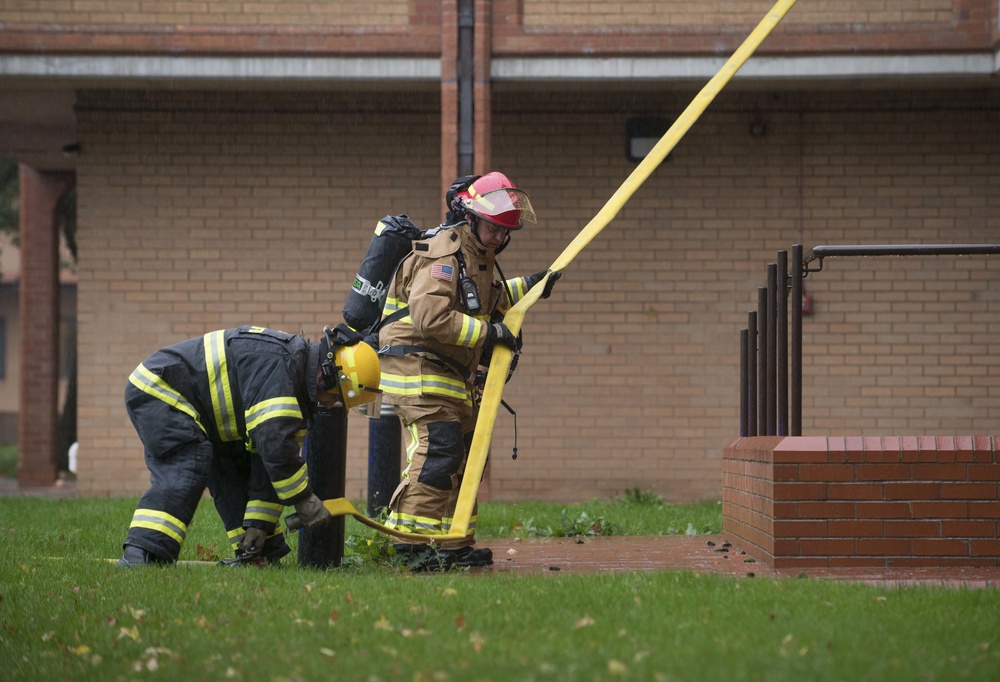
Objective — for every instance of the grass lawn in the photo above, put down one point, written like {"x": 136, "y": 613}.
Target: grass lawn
{"x": 8, "y": 461}
{"x": 66, "y": 613}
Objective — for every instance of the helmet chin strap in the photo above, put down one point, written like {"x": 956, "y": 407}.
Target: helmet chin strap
{"x": 474, "y": 224}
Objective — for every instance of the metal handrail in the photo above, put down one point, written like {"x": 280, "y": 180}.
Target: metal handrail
{"x": 764, "y": 356}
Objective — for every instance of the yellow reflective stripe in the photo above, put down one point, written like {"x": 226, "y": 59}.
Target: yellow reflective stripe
{"x": 161, "y": 522}
{"x": 293, "y": 485}
{"x": 147, "y": 382}
{"x": 392, "y": 305}
{"x": 235, "y": 535}
{"x": 470, "y": 332}
{"x": 300, "y": 436}
{"x": 258, "y": 510}
{"x": 424, "y": 525}
{"x": 271, "y": 408}
{"x": 436, "y": 384}
{"x": 516, "y": 287}
{"x": 218, "y": 386}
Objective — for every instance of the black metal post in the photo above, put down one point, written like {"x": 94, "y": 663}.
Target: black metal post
{"x": 384, "y": 443}
{"x": 796, "y": 360}
{"x": 772, "y": 343}
{"x": 781, "y": 359}
{"x": 762, "y": 361}
{"x": 744, "y": 383}
{"x": 752, "y": 373}
{"x": 466, "y": 112}
{"x": 325, "y": 451}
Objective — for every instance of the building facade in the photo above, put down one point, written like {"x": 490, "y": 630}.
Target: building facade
{"x": 231, "y": 160}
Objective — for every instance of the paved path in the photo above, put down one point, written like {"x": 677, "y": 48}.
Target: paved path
{"x": 708, "y": 554}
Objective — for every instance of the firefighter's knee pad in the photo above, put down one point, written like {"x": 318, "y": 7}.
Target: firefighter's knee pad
{"x": 445, "y": 450}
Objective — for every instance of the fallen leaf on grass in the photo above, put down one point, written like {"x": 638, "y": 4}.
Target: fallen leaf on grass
{"x": 132, "y": 633}
{"x": 616, "y": 667}
{"x": 309, "y": 586}
{"x": 383, "y": 624}
{"x": 329, "y": 653}
{"x": 477, "y": 640}
{"x": 584, "y": 622}
{"x": 459, "y": 622}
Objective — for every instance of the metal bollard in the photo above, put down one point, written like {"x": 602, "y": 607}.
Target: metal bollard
{"x": 384, "y": 442}
{"x": 325, "y": 450}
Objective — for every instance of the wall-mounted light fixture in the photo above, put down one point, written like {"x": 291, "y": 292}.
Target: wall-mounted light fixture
{"x": 758, "y": 125}
{"x": 642, "y": 134}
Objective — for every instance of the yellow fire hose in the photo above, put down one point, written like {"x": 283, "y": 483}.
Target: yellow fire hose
{"x": 496, "y": 378}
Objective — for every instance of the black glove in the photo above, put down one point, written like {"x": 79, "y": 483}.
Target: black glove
{"x": 497, "y": 333}
{"x": 532, "y": 280}
{"x": 312, "y": 512}
{"x": 252, "y": 541}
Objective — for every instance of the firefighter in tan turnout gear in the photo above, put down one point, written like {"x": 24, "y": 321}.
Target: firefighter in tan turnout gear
{"x": 229, "y": 411}
{"x": 442, "y": 320}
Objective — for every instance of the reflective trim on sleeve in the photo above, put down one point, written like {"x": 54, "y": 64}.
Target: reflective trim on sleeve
{"x": 218, "y": 386}
{"x": 161, "y": 522}
{"x": 392, "y": 305}
{"x": 147, "y": 382}
{"x": 272, "y": 408}
{"x": 516, "y": 288}
{"x": 235, "y": 536}
{"x": 259, "y": 510}
{"x": 293, "y": 485}
{"x": 470, "y": 332}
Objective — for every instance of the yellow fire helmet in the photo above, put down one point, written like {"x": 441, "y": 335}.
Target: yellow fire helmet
{"x": 351, "y": 369}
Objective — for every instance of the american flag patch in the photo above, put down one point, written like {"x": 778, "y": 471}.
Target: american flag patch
{"x": 444, "y": 272}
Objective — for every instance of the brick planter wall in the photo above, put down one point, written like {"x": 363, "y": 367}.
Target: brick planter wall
{"x": 808, "y": 502}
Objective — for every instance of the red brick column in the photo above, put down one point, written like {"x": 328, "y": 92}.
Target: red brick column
{"x": 449, "y": 93}
{"x": 38, "y": 418}
{"x": 482, "y": 88}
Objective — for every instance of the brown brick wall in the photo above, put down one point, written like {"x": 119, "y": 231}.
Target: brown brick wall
{"x": 634, "y": 363}
{"x": 811, "y": 502}
{"x": 596, "y": 15}
{"x": 208, "y": 13}
{"x": 210, "y": 216}
{"x": 207, "y": 217}
{"x": 377, "y": 27}
{"x": 714, "y": 26}
{"x": 519, "y": 27}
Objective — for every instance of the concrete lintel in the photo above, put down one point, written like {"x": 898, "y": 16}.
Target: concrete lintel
{"x": 297, "y": 69}
{"x": 979, "y": 65}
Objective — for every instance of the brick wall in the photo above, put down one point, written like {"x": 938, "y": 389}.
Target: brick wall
{"x": 520, "y": 27}
{"x": 572, "y": 13}
{"x": 204, "y": 211}
{"x": 218, "y": 13}
{"x": 677, "y": 27}
{"x": 828, "y": 502}
{"x": 195, "y": 214}
{"x": 630, "y": 374}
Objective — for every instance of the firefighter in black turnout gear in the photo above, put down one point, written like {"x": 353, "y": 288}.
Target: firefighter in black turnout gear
{"x": 229, "y": 411}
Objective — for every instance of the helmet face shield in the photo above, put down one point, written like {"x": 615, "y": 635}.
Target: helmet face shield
{"x": 508, "y": 207}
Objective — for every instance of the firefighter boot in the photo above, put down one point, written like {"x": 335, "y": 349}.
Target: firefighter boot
{"x": 134, "y": 557}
